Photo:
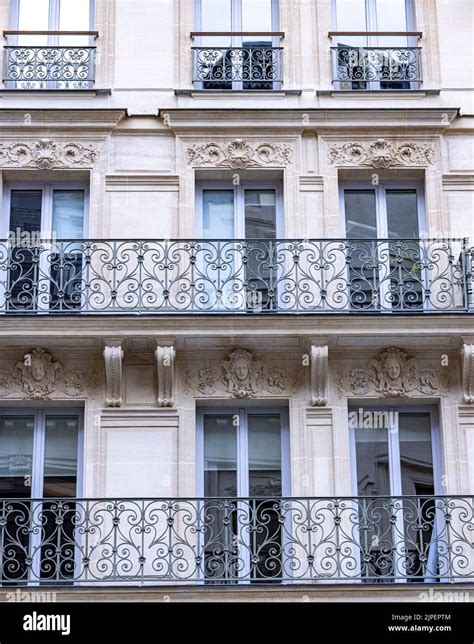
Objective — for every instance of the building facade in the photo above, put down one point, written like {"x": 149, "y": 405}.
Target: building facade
{"x": 236, "y": 330}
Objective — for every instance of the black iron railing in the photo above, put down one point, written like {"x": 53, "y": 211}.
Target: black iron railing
{"x": 65, "y": 62}
{"x": 236, "y": 276}
{"x": 251, "y": 66}
{"x": 229, "y": 540}
{"x": 376, "y": 67}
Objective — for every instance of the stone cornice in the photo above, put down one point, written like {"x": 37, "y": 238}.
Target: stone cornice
{"x": 31, "y": 121}
{"x": 322, "y": 120}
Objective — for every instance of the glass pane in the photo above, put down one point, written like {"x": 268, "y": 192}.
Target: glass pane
{"x": 60, "y": 456}
{"x": 260, "y": 214}
{"x": 257, "y": 16}
{"x": 216, "y": 16}
{"x": 361, "y": 217}
{"x": 372, "y": 462}
{"x": 264, "y": 455}
{"x": 416, "y": 454}
{"x": 68, "y": 214}
{"x": 25, "y": 211}
{"x": 74, "y": 16}
{"x": 402, "y": 214}
{"x": 391, "y": 16}
{"x": 351, "y": 16}
{"x": 220, "y": 456}
{"x": 33, "y": 16}
{"x": 16, "y": 455}
{"x": 218, "y": 214}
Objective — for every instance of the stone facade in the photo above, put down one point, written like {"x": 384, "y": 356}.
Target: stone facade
{"x": 143, "y": 149}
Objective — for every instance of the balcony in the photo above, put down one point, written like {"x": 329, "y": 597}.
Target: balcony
{"x": 50, "y": 66}
{"x": 255, "y": 65}
{"x": 72, "y": 541}
{"x": 376, "y": 67}
{"x": 318, "y": 276}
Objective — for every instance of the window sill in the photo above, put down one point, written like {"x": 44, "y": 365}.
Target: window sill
{"x": 60, "y": 92}
{"x": 229, "y": 93}
{"x": 380, "y": 93}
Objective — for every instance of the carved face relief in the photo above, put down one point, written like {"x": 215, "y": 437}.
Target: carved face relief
{"x": 242, "y": 374}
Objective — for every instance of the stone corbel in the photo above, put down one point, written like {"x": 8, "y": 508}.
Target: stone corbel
{"x": 165, "y": 356}
{"x": 113, "y": 356}
{"x": 467, "y": 354}
{"x": 319, "y": 375}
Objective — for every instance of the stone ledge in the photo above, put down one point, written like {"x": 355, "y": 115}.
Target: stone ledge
{"x": 423, "y": 593}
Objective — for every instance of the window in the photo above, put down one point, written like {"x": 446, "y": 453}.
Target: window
{"x": 395, "y": 452}
{"x": 44, "y": 275}
{"x": 51, "y": 60}
{"x": 387, "y": 270}
{"x": 243, "y": 453}
{"x": 375, "y": 61}
{"x": 40, "y": 458}
{"x": 246, "y": 57}
{"x": 251, "y": 212}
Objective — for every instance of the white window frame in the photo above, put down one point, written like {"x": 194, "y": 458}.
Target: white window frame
{"x": 371, "y": 24}
{"x": 393, "y": 443}
{"x": 47, "y": 189}
{"x": 236, "y": 26}
{"x": 242, "y": 473}
{"x": 380, "y": 191}
{"x": 37, "y": 470}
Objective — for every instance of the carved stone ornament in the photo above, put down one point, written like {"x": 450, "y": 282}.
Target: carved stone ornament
{"x": 382, "y": 154}
{"x": 37, "y": 374}
{"x": 165, "y": 364}
{"x": 467, "y": 355}
{"x": 239, "y": 154}
{"x": 240, "y": 376}
{"x": 393, "y": 375}
{"x": 46, "y": 154}
{"x": 319, "y": 375}
{"x": 113, "y": 357}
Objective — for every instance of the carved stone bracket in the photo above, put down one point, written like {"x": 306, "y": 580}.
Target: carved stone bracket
{"x": 319, "y": 375}
{"x": 467, "y": 355}
{"x": 382, "y": 154}
{"x": 239, "y": 154}
{"x": 165, "y": 357}
{"x": 393, "y": 375}
{"x": 113, "y": 356}
{"x": 46, "y": 154}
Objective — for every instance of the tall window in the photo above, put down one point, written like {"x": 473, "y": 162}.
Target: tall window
{"x": 386, "y": 270}
{"x": 395, "y": 452}
{"x": 368, "y": 66}
{"x": 243, "y": 453}
{"x": 39, "y": 459}
{"x": 243, "y": 57}
{"x": 53, "y": 15}
{"x": 43, "y": 276}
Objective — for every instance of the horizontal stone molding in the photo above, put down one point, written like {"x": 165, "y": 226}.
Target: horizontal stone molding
{"x": 141, "y": 183}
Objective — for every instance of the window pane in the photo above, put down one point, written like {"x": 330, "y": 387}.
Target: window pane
{"x": 257, "y": 16}
{"x": 391, "y": 16}
{"x": 218, "y": 214}
{"x": 402, "y": 214}
{"x": 351, "y": 16}
{"x": 216, "y": 16}
{"x": 264, "y": 455}
{"x": 25, "y": 211}
{"x": 74, "y": 16}
{"x": 16, "y": 455}
{"x": 220, "y": 456}
{"x": 260, "y": 214}
{"x": 373, "y": 476}
{"x": 33, "y": 16}
{"x": 60, "y": 456}
{"x": 68, "y": 214}
{"x": 416, "y": 454}
{"x": 361, "y": 218}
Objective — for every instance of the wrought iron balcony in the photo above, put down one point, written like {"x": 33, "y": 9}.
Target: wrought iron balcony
{"x": 59, "y": 67}
{"x": 376, "y": 67}
{"x": 318, "y": 276}
{"x": 255, "y": 65}
{"x": 228, "y": 540}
